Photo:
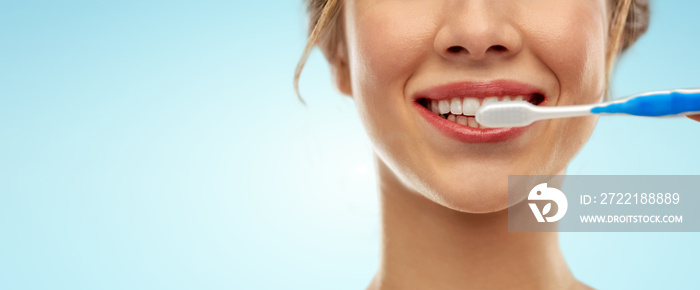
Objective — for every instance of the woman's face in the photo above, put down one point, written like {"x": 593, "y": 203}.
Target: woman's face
{"x": 404, "y": 57}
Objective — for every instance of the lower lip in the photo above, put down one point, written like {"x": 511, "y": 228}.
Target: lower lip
{"x": 468, "y": 134}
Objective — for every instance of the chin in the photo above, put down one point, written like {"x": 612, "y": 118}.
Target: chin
{"x": 478, "y": 194}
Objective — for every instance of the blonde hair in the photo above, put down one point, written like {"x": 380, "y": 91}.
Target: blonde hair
{"x": 325, "y": 30}
{"x": 629, "y": 20}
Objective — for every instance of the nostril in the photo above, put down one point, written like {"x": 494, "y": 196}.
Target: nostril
{"x": 455, "y": 49}
{"x": 498, "y": 48}
{"x": 459, "y": 49}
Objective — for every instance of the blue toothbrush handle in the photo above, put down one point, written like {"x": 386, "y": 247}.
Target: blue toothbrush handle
{"x": 655, "y": 104}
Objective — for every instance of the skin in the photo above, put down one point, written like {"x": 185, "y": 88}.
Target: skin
{"x": 397, "y": 48}
{"x": 444, "y": 221}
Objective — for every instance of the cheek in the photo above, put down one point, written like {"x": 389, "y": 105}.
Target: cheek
{"x": 573, "y": 46}
{"x": 388, "y": 40}
{"x": 387, "y": 43}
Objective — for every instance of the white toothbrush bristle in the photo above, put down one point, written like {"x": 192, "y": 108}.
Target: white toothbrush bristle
{"x": 505, "y": 114}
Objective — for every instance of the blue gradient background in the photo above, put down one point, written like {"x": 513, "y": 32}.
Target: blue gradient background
{"x": 159, "y": 145}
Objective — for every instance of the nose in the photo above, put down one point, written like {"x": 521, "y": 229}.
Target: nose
{"x": 477, "y": 30}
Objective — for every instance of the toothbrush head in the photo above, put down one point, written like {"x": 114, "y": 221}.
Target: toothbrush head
{"x": 506, "y": 114}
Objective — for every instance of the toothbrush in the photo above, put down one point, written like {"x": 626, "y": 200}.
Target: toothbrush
{"x": 652, "y": 104}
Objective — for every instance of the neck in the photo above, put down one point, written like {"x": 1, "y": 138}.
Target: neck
{"x": 428, "y": 246}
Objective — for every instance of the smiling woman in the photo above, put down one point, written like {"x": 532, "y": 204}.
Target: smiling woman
{"x": 418, "y": 71}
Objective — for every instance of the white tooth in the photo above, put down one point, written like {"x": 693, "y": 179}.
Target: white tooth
{"x": 434, "y": 106}
{"x": 456, "y": 106}
{"x": 518, "y": 98}
{"x": 489, "y": 99}
{"x": 451, "y": 117}
{"x": 444, "y": 106}
{"x": 505, "y": 99}
{"x": 462, "y": 120}
{"x": 470, "y": 106}
{"x": 471, "y": 122}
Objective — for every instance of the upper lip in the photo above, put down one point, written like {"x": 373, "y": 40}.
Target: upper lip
{"x": 496, "y": 88}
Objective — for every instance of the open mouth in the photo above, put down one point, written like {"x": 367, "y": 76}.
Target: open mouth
{"x": 463, "y": 110}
